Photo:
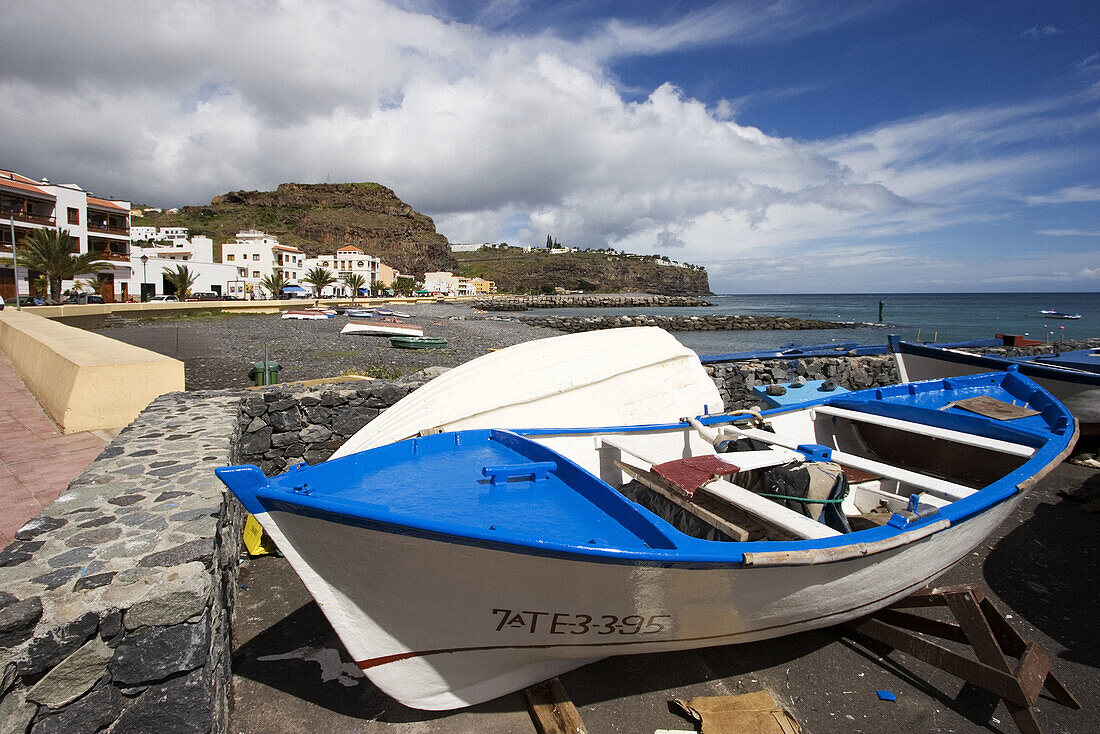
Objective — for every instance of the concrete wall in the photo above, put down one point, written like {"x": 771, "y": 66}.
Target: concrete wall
{"x": 84, "y": 381}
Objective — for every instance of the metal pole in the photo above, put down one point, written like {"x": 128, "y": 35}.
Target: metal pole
{"x": 15, "y": 261}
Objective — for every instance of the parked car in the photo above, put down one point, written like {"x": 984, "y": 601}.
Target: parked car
{"x": 204, "y": 296}
{"x": 81, "y": 298}
{"x": 164, "y": 299}
{"x": 30, "y": 301}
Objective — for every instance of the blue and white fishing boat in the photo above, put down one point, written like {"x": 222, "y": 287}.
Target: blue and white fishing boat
{"x": 460, "y": 566}
{"x": 1075, "y": 386}
{"x": 1059, "y": 314}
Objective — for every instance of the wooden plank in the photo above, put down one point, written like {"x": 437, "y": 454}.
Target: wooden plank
{"x": 653, "y": 483}
{"x": 552, "y": 711}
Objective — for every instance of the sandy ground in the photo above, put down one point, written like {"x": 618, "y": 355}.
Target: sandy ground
{"x": 219, "y": 350}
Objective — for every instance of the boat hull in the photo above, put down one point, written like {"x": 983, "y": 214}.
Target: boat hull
{"x": 1078, "y": 391}
{"x": 470, "y": 629}
{"x": 387, "y": 328}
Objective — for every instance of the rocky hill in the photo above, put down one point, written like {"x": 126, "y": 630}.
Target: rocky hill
{"x": 516, "y": 271}
{"x": 318, "y": 217}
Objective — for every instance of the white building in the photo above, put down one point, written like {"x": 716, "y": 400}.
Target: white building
{"x": 457, "y": 247}
{"x": 143, "y": 233}
{"x": 445, "y": 283}
{"x": 197, "y": 255}
{"x": 99, "y": 226}
{"x": 257, "y": 255}
{"x": 343, "y": 263}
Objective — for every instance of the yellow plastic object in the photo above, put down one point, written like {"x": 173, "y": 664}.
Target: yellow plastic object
{"x": 256, "y": 541}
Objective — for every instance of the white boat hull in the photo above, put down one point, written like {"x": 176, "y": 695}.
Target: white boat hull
{"x": 389, "y": 328}
{"x": 469, "y": 630}
{"x": 610, "y": 377}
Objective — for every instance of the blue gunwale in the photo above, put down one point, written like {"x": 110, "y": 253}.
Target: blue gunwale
{"x": 661, "y": 544}
{"x": 1027, "y": 365}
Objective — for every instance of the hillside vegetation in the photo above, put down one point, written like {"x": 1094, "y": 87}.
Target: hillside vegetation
{"x": 516, "y": 271}
{"x": 320, "y": 217}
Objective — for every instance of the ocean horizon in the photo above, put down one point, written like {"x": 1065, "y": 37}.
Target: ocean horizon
{"x": 942, "y": 317}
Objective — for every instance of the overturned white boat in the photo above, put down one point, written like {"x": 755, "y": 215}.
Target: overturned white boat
{"x": 460, "y": 566}
{"x": 389, "y": 327}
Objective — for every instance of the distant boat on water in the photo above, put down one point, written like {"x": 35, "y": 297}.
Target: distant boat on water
{"x": 1059, "y": 315}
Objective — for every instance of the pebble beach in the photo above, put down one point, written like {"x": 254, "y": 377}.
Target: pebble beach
{"x": 219, "y": 350}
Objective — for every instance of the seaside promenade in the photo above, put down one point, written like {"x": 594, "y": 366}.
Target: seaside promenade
{"x": 37, "y": 461}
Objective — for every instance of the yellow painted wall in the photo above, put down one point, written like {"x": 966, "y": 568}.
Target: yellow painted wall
{"x": 84, "y": 381}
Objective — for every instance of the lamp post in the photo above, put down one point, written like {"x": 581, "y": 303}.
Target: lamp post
{"x": 144, "y": 273}
{"x": 14, "y": 261}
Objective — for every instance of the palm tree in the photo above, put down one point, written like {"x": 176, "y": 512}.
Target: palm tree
{"x": 319, "y": 278}
{"x": 354, "y": 281}
{"x": 181, "y": 279}
{"x": 274, "y": 283}
{"x": 54, "y": 253}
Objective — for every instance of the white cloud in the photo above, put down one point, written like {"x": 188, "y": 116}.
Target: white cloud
{"x": 1047, "y": 30}
{"x": 498, "y": 134}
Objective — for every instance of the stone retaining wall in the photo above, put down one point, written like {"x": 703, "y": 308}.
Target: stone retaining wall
{"x": 287, "y": 425}
{"x": 522, "y": 303}
{"x": 707, "y": 322}
{"x": 116, "y": 598}
{"x": 735, "y": 380}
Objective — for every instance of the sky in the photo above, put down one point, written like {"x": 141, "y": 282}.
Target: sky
{"x": 790, "y": 146}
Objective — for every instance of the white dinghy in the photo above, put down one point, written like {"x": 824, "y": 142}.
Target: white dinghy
{"x": 610, "y": 377}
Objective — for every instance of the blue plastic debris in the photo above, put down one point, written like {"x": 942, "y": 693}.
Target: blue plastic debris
{"x": 885, "y": 695}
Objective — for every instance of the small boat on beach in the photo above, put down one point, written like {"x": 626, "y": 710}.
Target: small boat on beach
{"x": 359, "y": 313}
{"x": 388, "y": 312}
{"x": 1059, "y": 315}
{"x": 458, "y": 566}
{"x": 418, "y": 342}
{"x": 1074, "y": 385}
{"x": 389, "y": 327}
{"x": 308, "y": 314}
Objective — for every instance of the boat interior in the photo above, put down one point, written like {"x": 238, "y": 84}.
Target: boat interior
{"x": 805, "y": 474}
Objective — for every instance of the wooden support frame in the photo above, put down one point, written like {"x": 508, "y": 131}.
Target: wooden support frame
{"x": 551, "y": 709}
{"x": 981, "y": 626}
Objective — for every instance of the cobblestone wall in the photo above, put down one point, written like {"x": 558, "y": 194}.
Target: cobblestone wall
{"x": 705, "y": 322}
{"x": 116, "y": 598}
{"x": 522, "y": 303}
{"x": 735, "y": 380}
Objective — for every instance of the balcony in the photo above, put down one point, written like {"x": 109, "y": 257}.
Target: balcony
{"x": 22, "y": 216}
{"x": 108, "y": 228}
{"x": 112, "y": 251}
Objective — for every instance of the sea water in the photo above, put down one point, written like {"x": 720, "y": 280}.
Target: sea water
{"x": 943, "y": 317}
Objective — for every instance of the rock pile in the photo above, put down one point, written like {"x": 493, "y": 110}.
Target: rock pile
{"x": 735, "y": 380}
{"x": 523, "y": 303}
{"x": 709, "y": 322}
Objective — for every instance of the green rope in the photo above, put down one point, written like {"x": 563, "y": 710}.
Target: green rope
{"x": 802, "y": 499}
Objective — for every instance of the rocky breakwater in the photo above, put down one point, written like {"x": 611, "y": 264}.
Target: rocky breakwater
{"x": 736, "y": 380}
{"x": 707, "y": 322}
{"x": 523, "y": 303}
{"x": 114, "y": 609}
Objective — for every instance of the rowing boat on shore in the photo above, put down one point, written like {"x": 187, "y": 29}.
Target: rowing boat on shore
{"x": 388, "y": 327}
{"x": 1077, "y": 388}
{"x": 309, "y": 314}
{"x": 459, "y": 566}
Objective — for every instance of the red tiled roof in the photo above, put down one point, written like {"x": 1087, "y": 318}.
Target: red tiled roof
{"x": 95, "y": 200}
{"x": 4, "y": 173}
{"x": 288, "y": 248}
{"x": 20, "y": 185}
{"x": 349, "y": 248}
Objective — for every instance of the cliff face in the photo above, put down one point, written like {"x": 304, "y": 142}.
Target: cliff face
{"x": 318, "y": 217}
{"x": 514, "y": 270}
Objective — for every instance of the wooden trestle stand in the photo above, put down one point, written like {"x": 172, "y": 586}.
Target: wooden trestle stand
{"x": 980, "y": 625}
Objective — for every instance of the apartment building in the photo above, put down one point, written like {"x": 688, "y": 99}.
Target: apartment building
{"x": 100, "y": 226}
{"x": 256, "y": 255}
{"x": 446, "y": 283}
{"x": 344, "y": 262}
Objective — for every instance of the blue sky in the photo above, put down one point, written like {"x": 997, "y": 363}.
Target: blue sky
{"x": 789, "y": 146}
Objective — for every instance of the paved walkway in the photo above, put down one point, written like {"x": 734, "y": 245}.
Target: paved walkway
{"x": 37, "y": 461}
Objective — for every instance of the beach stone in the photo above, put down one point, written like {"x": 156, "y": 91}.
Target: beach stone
{"x": 143, "y": 452}
{"x": 144, "y": 657}
{"x": 88, "y": 715}
{"x": 315, "y": 434}
{"x": 255, "y": 443}
{"x": 48, "y": 650}
{"x": 282, "y": 440}
{"x": 171, "y": 494}
{"x": 181, "y": 706}
{"x": 351, "y": 420}
{"x": 110, "y": 452}
{"x": 195, "y": 550}
{"x": 94, "y": 581}
{"x": 38, "y": 526}
{"x": 95, "y": 536}
{"x": 182, "y": 594}
{"x": 17, "y": 620}
{"x": 53, "y": 579}
{"x": 96, "y": 522}
{"x": 255, "y": 425}
{"x": 126, "y": 499}
{"x": 285, "y": 420}
{"x": 74, "y": 676}
{"x": 7, "y": 599}
{"x": 76, "y": 555}
{"x": 16, "y": 711}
